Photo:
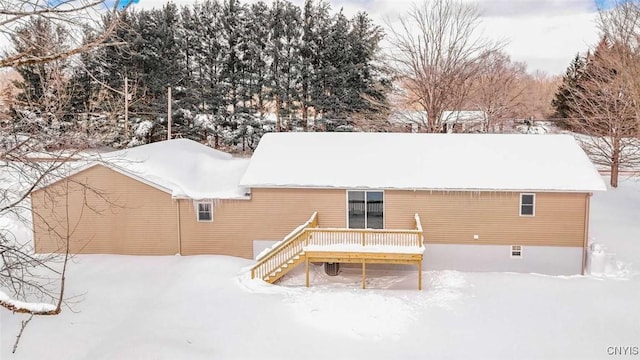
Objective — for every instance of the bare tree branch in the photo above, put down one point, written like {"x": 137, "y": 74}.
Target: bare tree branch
{"x": 605, "y": 108}
{"x": 437, "y": 52}
{"x": 78, "y": 16}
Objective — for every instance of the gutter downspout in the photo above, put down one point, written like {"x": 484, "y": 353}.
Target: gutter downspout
{"x": 179, "y": 227}
{"x": 585, "y": 243}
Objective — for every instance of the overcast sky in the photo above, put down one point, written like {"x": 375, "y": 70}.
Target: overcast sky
{"x": 545, "y": 34}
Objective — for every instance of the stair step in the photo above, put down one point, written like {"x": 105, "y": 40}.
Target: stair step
{"x": 279, "y": 272}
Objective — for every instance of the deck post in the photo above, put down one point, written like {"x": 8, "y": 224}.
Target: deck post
{"x": 364, "y": 273}
{"x": 306, "y": 267}
{"x": 420, "y": 275}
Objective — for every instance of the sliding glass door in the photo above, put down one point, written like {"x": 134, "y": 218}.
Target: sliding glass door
{"x": 365, "y": 209}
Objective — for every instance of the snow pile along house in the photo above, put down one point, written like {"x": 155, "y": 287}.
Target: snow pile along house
{"x": 481, "y": 202}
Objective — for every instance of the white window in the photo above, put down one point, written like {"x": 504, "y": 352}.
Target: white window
{"x": 205, "y": 210}
{"x": 527, "y": 204}
{"x": 516, "y": 251}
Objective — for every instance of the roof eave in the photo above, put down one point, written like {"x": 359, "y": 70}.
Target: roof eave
{"x": 328, "y": 187}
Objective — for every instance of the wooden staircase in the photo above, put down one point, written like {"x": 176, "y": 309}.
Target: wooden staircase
{"x": 285, "y": 268}
{"x": 286, "y": 254}
{"x": 309, "y": 243}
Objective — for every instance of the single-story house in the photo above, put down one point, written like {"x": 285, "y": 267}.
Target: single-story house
{"x": 408, "y": 120}
{"x": 452, "y": 121}
{"x": 472, "y": 202}
{"x": 464, "y": 121}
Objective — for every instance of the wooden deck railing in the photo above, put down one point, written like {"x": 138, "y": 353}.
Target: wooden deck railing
{"x": 418, "y": 227}
{"x": 309, "y": 234}
{"x": 290, "y": 247}
{"x": 364, "y": 237}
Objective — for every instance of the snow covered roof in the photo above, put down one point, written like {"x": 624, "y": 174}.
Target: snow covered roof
{"x": 182, "y": 167}
{"x": 449, "y": 117}
{"x": 408, "y": 116}
{"x": 483, "y": 162}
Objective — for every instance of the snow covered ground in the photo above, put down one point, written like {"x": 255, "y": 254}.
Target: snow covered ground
{"x": 206, "y": 307}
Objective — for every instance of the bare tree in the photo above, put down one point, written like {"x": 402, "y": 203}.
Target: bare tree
{"x": 538, "y": 92}
{"x": 497, "y": 89}
{"x": 604, "y": 109}
{"x": 35, "y": 283}
{"x": 605, "y": 104}
{"x": 620, "y": 27}
{"x": 436, "y": 53}
{"x": 78, "y": 16}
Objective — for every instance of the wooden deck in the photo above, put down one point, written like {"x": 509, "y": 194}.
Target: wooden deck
{"x": 310, "y": 243}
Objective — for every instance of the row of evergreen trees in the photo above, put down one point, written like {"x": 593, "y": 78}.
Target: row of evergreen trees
{"x": 228, "y": 65}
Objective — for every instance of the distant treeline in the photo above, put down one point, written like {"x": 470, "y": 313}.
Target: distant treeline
{"x": 228, "y": 63}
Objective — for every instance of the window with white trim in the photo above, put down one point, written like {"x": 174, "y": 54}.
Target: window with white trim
{"x": 205, "y": 210}
{"x": 527, "y": 204}
{"x": 516, "y": 251}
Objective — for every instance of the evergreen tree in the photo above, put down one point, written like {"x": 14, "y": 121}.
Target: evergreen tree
{"x": 230, "y": 65}
{"x": 209, "y": 52}
{"x": 316, "y": 27}
{"x": 369, "y": 82}
{"x": 44, "y": 89}
{"x": 570, "y": 81}
{"x": 256, "y": 59}
{"x": 284, "y": 50}
{"x": 109, "y": 67}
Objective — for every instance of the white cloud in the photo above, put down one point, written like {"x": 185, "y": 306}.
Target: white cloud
{"x": 545, "y": 42}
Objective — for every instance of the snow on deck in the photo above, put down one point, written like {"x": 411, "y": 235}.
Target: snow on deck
{"x": 482, "y": 162}
{"x": 184, "y": 167}
{"x": 350, "y": 248}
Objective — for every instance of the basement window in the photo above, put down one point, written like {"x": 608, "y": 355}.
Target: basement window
{"x": 527, "y": 204}
{"x": 205, "y": 210}
{"x": 516, "y": 251}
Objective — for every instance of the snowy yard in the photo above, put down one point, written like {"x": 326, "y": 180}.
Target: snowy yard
{"x": 206, "y": 307}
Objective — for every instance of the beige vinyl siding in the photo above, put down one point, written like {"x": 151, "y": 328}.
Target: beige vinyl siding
{"x": 270, "y": 215}
{"x": 147, "y": 221}
{"x": 113, "y": 214}
{"x": 455, "y": 217}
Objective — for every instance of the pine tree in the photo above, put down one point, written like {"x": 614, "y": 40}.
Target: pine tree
{"x": 570, "y": 81}
{"x": 256, "y": 33}
{"x": 316, "y": 27}
{"x": 109, "y": 66}
{"x": 335, "y": 76}
{"x": 284, "y": 50}
{"x": 230, "y": 64}
{"x": 44, "y": 93}
{"x": 210, "y": 54}
{"x": 369, "y": 82}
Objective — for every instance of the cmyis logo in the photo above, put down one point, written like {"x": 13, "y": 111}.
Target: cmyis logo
{"x": 623, "y": 350}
